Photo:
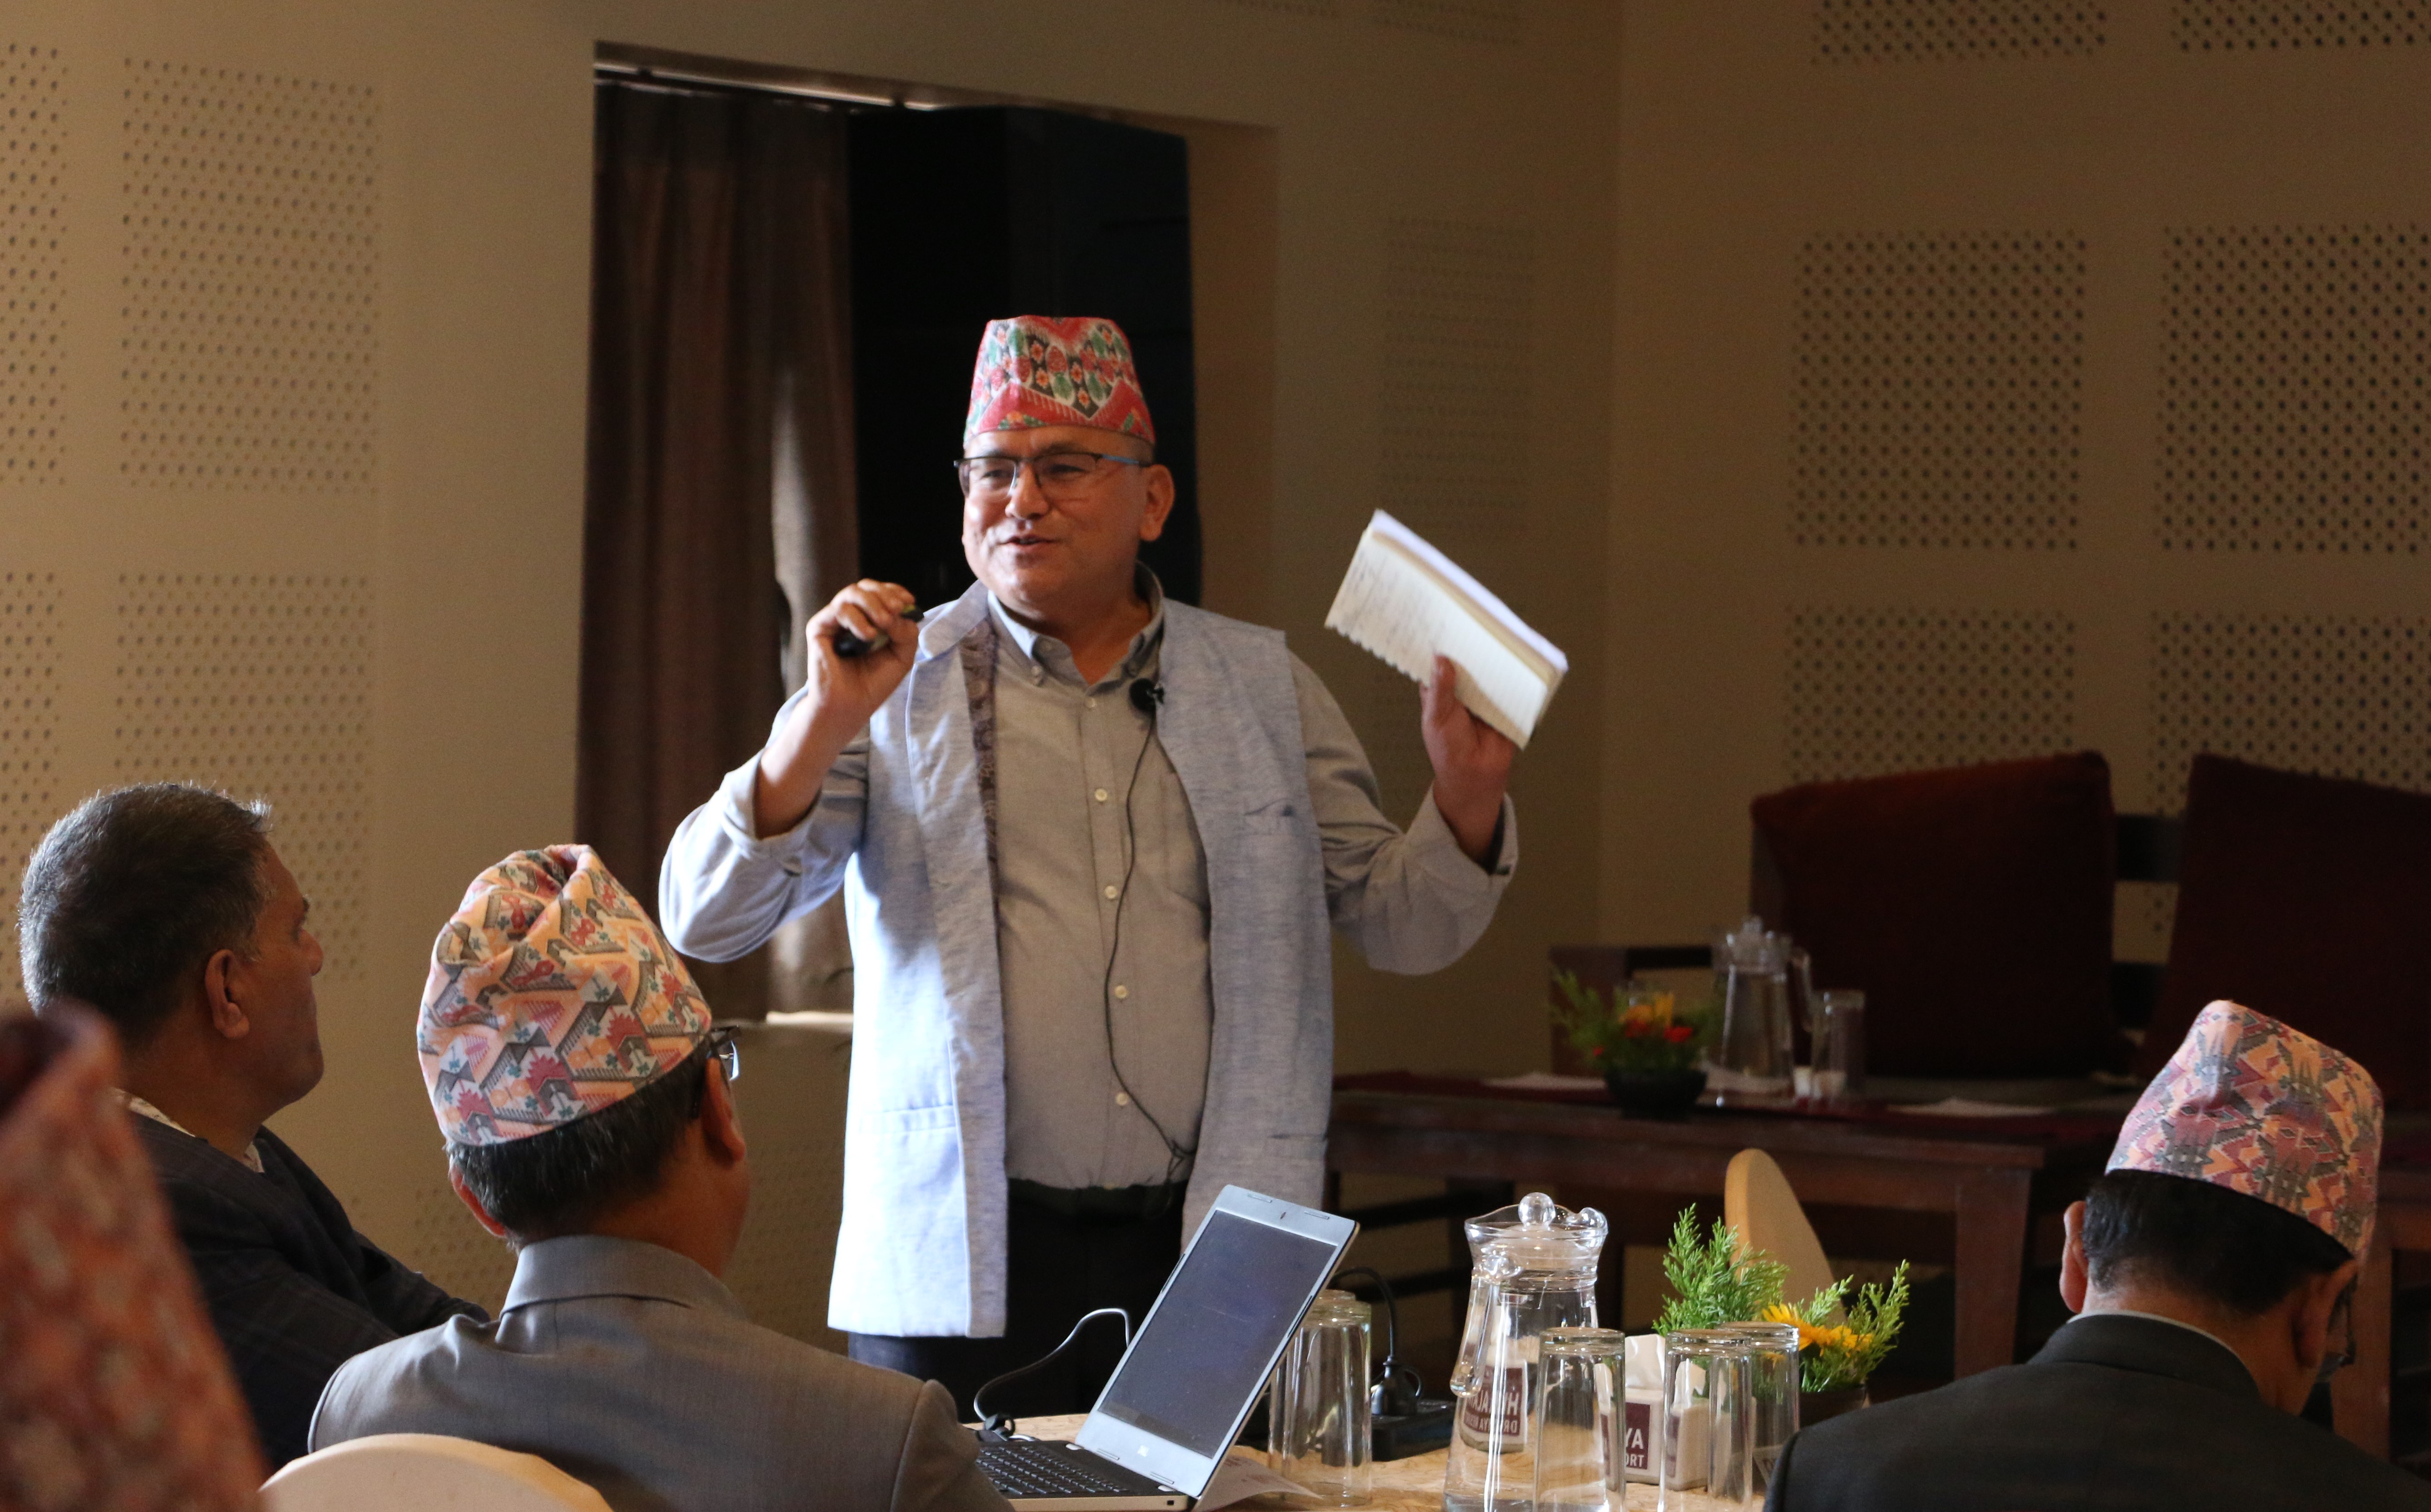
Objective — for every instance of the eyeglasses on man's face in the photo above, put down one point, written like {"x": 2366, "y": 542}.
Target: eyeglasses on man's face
{"x": 1059, "y": 475}
{"x": 723, "y": 1044}
{"x": 2343, "y": 1328}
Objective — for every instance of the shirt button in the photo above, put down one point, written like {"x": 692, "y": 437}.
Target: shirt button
{"x": 1111, "y": 891}
{"x": 1092, "y": 703}
{"x": 1122, "y": 991}
{"x": 1101, "y": 795}
{"x": 1122, "y": 1100}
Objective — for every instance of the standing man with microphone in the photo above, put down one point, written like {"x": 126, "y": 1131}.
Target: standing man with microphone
{"x": 1092, "y": 842}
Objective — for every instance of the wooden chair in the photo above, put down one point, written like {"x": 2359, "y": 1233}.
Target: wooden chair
{"x": 1758, "y": 1202}
{"x": 415, "y": 1472}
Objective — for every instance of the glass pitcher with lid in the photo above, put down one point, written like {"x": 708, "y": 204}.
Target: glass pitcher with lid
{"x": 1756, "y": 1053}
{"x": 1533, "y": 1266}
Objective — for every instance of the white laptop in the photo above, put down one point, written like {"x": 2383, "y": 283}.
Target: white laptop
{"x": 1193, "y": 1371}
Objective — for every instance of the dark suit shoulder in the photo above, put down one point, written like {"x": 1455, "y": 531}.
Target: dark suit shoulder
{"x": 2073, "y": 1435}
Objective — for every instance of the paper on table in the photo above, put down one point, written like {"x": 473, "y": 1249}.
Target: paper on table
{"x": 1409, "y": 603}
{"x": 1969, "y": 1108}
{"x": 1242, "y": 1476}
{"x": 1547, "y": 1082}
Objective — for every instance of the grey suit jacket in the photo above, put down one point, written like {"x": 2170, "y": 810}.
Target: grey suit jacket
{"x": 631, "y": 1368}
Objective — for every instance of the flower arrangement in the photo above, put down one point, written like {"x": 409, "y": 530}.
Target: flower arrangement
{"x": 1631, "y": 1028}
{"x": 1718, "y": 1279}
{"x": 1845, "y": 1354}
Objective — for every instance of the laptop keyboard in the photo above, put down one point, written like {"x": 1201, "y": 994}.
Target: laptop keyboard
{"x": 1043, "y": 1468}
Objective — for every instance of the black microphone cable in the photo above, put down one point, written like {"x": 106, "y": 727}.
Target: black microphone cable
{"x": 1145, "y": 697}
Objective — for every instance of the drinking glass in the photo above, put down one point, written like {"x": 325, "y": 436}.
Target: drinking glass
{"x": 1708, "y": 1422}
{"x": 1772, "y": 1394}
{"x": 1841, "y": 1047}
{"x": 1318, "y": 1436}
{"x": 1578, "y": 1415}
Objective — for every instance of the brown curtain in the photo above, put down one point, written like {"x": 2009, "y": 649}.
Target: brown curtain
{"x": 720, "y": 458}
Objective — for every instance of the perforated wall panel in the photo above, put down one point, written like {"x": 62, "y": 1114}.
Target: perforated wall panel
{"x": 2293, "y": 371}
{"x": 1456, "y": 393}
{"x": 1386, "y": 708}
{"x": 446, "y": 1244}
{"x": 1293, "y": 8}
{"x": 2313, "y": 693}
{"x": 29, "y": 795}
{"x": 33, "y": 213}
{"x": 251, "y": 279}
{"x": 1880, "y": 31}
{"x": 1488, "y": 21}
{"x": 261, "y": 685}
{"x": 1939, "y": 391}
{"x": 1875, "y": 691}
{"x": 2244, "y": 25}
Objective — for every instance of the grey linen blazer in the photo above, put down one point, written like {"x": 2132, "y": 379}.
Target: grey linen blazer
{"x": 631, "y": 1369}
{"x": 2115, "y": 1413}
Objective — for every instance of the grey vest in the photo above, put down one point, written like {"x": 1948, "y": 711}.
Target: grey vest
{"x": 922, "y": 1247}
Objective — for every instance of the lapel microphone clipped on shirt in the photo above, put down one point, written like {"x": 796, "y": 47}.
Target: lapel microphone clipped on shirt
{"x": 1145, "y": 696}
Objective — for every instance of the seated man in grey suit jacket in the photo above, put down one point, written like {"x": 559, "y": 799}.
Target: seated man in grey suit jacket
{"x": 165, "y": 907}
{"x": 2212, "y": 1269}
{"x": 584, "y": 1100}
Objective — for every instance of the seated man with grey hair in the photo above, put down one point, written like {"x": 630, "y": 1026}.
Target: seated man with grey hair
{"x": 583, "y": 1094}
{"x": 165, "y": 908}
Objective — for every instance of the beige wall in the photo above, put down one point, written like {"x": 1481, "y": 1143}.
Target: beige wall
{"x": 2131, "y": 317}
{"x": 359, "y": 598}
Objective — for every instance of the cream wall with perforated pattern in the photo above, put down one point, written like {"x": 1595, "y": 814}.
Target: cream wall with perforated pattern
{"x": 1997, "y": 377}
{"x": 293, "y": 357}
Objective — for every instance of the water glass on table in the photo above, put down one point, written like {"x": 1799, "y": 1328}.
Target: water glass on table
{"x": 1707, "y": 1435}
{"x": 1579, "y": 1418}
{"x": 1772, "y": 1394}
{"x": 1840, "y": 1035}
{"x": 1318, "y": 1416}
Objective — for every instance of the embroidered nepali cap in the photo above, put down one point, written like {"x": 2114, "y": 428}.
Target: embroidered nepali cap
{"x": 1035, "y": 370}
{"x": 2253, "y": 1105}
{"x": 551, "y": 996}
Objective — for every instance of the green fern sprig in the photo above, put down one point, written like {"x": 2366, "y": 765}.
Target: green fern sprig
{"x": 1716, "y": 1280}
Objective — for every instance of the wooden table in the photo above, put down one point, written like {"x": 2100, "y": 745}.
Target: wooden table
{"x": 1989, "y": 1182}
{"x": 1413, "y": 1485}
{"x": 2361, "y": 1392}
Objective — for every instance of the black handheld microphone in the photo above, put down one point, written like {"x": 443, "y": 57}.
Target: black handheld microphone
{"x": 849, "y": 645}
{"x": 1145, "y": 696}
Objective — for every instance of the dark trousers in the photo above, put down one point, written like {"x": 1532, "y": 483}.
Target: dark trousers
{"x": 1059, "y": 1265}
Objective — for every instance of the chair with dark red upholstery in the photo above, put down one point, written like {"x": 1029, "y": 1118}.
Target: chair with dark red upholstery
{"x": 2310, "y": 896}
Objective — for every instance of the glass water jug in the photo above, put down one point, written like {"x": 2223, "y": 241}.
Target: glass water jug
{"x": 1758, "y": 1053}
{"x": 1532, "y": 1268}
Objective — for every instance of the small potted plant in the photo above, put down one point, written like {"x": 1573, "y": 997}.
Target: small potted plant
{"x": 1646, "y": 1044}
{"x": 1719, "y": 1279}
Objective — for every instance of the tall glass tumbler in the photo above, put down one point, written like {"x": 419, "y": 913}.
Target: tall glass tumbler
{"x": 1579, "y": 1419}
{"x": 1708, "y": 1422}
{"x": 1772, "y": 1394}
{"x": 1841, "y": 1047}
{"x": 1317, "y": 1427}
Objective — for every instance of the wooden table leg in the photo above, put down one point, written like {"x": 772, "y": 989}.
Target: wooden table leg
{"x": 1992, "y": 1254}
{"x": 2359, "y": 1393}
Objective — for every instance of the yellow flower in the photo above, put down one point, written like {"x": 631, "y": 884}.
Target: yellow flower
{"x": 1649, "y": 1013}
{"x": 1780, "y": 1312}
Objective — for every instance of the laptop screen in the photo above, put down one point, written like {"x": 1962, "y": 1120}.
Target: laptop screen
{"x": 1206, "y": 1348}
